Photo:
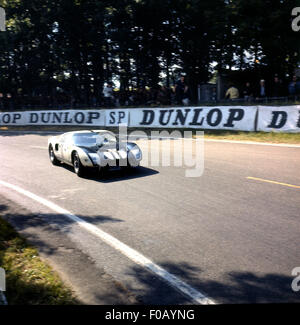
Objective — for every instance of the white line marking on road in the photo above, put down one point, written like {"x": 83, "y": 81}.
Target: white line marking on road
{"x": 272, "y": 182}
{"x": 287, "y": 145}
{"x": 132, "y": 254}
{"x": 256, "y": 143}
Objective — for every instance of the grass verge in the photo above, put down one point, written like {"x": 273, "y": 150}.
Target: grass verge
{"x": 270, "y": 137}
{"x": 29, "y": 280}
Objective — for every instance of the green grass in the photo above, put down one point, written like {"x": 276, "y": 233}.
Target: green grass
{"x": 29, "y": 280}
{"x": 271, "y": 137}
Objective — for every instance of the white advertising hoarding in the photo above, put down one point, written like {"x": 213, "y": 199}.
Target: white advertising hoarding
{"x": 238, "y": 118}
{"x": 279, "y": 118}
{"x": 226, "y": 117}
{"x": 66, "y": 117}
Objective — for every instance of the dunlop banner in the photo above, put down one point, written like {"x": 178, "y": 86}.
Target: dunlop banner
{"x": 239, "y": 118}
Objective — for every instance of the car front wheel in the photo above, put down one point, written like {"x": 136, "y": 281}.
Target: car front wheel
{"x": 78, "y": 167}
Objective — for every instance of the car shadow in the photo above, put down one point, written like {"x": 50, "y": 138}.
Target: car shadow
{"x": 116, "y": 175}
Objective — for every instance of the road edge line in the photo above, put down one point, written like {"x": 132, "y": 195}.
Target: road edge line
{"x": 130, "y": 253}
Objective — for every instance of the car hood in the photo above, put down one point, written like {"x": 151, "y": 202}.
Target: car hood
{"x": 108, "y": 146}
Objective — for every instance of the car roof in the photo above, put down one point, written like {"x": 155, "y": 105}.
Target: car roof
{"x": 89, "y": 131}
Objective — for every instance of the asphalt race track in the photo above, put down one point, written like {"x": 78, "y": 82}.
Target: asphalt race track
{"x": 232, "y": 234}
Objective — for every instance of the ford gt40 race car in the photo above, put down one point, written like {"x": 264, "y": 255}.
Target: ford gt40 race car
{"x": 99, "y": 149}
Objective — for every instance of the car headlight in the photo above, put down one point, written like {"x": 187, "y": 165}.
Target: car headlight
{"x": 137, "y": 153}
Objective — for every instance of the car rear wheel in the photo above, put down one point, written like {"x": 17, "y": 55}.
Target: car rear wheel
{"x": 78, "y": 167}
{"x": 52, "y": 156}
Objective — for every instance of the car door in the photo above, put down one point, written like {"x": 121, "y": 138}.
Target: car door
{"x": 66, "y": 148}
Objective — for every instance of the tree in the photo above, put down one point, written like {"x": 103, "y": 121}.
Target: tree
{"x": 72, "y": 47}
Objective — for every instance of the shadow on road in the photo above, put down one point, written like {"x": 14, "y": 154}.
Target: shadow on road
{"x": 48, "y": 233}
{"x": 116, "y": 175}
{"x": 3, "y": 208}
{"x": 234, "y": 287}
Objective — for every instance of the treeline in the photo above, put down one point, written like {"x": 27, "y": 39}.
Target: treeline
{"x": 72, "y": 47}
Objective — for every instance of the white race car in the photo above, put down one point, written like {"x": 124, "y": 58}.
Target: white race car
{"x": 99, "y": 149}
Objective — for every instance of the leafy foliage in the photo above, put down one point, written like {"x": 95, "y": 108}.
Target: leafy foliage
{"x": 75, "y": 46}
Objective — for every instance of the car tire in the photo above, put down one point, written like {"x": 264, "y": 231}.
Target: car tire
{"x": 132, "y": 164}
{"x": 78, "y": 167}
{"x": 52, "y": 156}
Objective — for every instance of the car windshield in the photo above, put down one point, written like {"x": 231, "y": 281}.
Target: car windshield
{"x": 92, "y": 139}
